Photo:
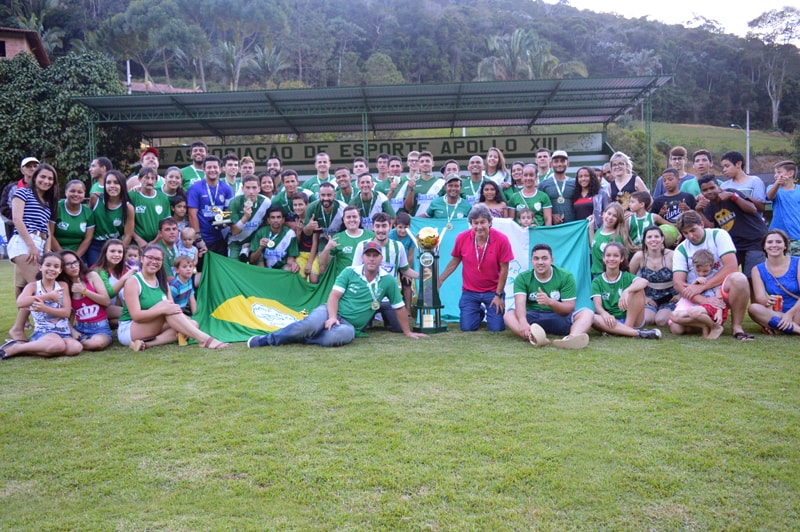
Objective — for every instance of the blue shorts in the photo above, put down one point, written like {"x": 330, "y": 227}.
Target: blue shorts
{"x": 37, "y": 335}
{"x": 89, "y": 329}
{"x": 551, "y": 322}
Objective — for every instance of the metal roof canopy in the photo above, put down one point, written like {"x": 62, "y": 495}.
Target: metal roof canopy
{"x": 375, "y": 108}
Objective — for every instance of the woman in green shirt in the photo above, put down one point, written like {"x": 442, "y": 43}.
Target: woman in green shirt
{"x": 74, "y": 228}
{"x": 149, "y": 316}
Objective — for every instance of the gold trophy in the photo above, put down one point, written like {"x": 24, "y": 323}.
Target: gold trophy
{"x": 429, "y": 306}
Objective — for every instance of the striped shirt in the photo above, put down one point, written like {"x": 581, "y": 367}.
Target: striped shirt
{"x": 36, "y": 215}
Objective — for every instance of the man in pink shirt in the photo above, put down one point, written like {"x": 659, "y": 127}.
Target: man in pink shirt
{"x": 484, "y": 254}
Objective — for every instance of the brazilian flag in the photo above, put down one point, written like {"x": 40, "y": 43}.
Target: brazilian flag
{"x": 236, "y": 300}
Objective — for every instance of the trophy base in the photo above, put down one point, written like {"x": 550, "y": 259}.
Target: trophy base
{"x": 430, "y": 330}
{"x": 223, "y": 222}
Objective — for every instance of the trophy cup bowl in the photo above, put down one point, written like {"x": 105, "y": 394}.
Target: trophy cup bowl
{"x": 428, "y": 238}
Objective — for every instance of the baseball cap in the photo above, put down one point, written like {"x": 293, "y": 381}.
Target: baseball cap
{"x": 452, "y": 177}
{"x": 149, "y": 150}
{"x": 28, "y": 160}
{"x": 373, "y": 246}
{"x": 559, "y": 153}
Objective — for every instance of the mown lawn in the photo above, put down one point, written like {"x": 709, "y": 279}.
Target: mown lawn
{"x": 460, "y": 431}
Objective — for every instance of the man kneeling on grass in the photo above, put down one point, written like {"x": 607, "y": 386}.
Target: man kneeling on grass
{"x": 356, "y": 296}
{"x": 544, "y": 302}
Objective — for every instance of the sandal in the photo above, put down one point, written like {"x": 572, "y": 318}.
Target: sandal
{"x": 209, "y": 344}
{"x": 743, "y": 336}
{"x": 138, "y": 345}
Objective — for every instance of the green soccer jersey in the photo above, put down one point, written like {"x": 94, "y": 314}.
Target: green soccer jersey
{"x": 598, "y": 246}
{"x": 329, "y": 222}
{"x": 424, "y": 193}
{"x": 314, "y": 183}
{"x": 610, "y": 291}
{"x": 107, "y": 225}
{"x": 471, "y": 190}
{"x": 560, "y": 286}
{"x": 342, "y": 255}
{"x": 358, "y": 294}
{"x": 637, "y": 227}
{"x": 71, "y": 228}
{"x": 149, "y": 211}
{"x": 190, "y": 175}
{"x": 439, "y": 208}
{"x": 538, "y": 202}
{"x": 148, "y": 297}
{"x": 284, "y": 245}
{"x": 399, "y": 196}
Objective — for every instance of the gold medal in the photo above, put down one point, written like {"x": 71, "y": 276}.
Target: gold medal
{"x": 375, "y": 305}
{"x": 560, "y": 199}
{"x": 270, "y": 244}
{"x": 248, "y": 203}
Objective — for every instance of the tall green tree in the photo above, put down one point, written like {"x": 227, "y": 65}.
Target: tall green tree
{"x": 40, "y": 117}
{"x": 778, "y": 30}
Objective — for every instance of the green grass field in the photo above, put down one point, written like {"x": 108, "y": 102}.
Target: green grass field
{"x": 459, "y": 431}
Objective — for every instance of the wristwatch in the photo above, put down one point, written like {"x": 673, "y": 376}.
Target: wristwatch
{"x": 501, "y": 295}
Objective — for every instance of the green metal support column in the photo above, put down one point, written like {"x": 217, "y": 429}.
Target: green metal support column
{"x": 92, "y": 146}
{"x": 648, "y": 109}
{"x": 365, "y": 136}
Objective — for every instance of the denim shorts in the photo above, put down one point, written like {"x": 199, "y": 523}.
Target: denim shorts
{"x": 37, "y": 335}
{"x": 89, "y": 329}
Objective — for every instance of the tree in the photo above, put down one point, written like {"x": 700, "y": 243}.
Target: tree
{"x": 778, "y": 30}
{"x": 379, "y": 69}
{"x": 523, "y": 55}
{"x": 40, "y": 117}
{"x": 267, "y": 64}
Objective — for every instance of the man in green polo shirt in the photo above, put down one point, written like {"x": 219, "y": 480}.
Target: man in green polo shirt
{"x": 355, "y": 298}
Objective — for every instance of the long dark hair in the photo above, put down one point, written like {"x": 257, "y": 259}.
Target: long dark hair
{"x": 161, "y": 274}
{"x": 82, "y": 272}
{"x": 123, "y": 194}
{"x": 498, "y": 194}
{"x": 594, "y": 184}
{"x": 117, "y": 270}
{"x": 50, "y": 196}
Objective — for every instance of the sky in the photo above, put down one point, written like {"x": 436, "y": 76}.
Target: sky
{"x": 733, "y": 20}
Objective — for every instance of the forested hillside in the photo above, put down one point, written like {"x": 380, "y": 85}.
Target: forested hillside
{"x": 252, "y": 44}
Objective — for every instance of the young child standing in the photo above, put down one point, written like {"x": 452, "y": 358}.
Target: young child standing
{"x": 186, "y": 245}
{"x": 50, "y": 306}
{"x": 708, "y": 317}
{"x": 400, "y": 233}
{"x": 307, "y": 245}
{"x": 639, "y": 217}
{"x": 177, "y": 205}
{"x": 181, "y": 285}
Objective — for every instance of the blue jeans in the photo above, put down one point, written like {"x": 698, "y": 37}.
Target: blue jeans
{"x": 311, "y": 330}
{"x": 473, "y": 305}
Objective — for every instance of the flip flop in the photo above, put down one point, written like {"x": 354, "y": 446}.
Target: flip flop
{"x": 538, "y": 336}
{"x": 743, "y": 336}
{"x": 3, "y": 354}
{"x": 578, "y": 341}
{"x": 209, "y": 344}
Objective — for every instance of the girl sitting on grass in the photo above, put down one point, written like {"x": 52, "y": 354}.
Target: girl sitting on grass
{"x": 89, "y": 302}
{"x": 619, "y": 298}
{"x": 50, "y": 306}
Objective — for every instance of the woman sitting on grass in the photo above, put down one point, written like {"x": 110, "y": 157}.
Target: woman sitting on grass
{"x": 50, "y": 305}
{"x": 777, "y": 277}
{"x": 654, "y": 263}
{"x": 89, "y": 301}
{"x": 149, "y": 316}
{"x": 113, "y": 272}
{"x": 618, "y": 297}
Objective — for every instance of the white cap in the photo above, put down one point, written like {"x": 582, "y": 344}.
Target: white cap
{"x": 28, "y": 160}
{"x": 560, "y": 153}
